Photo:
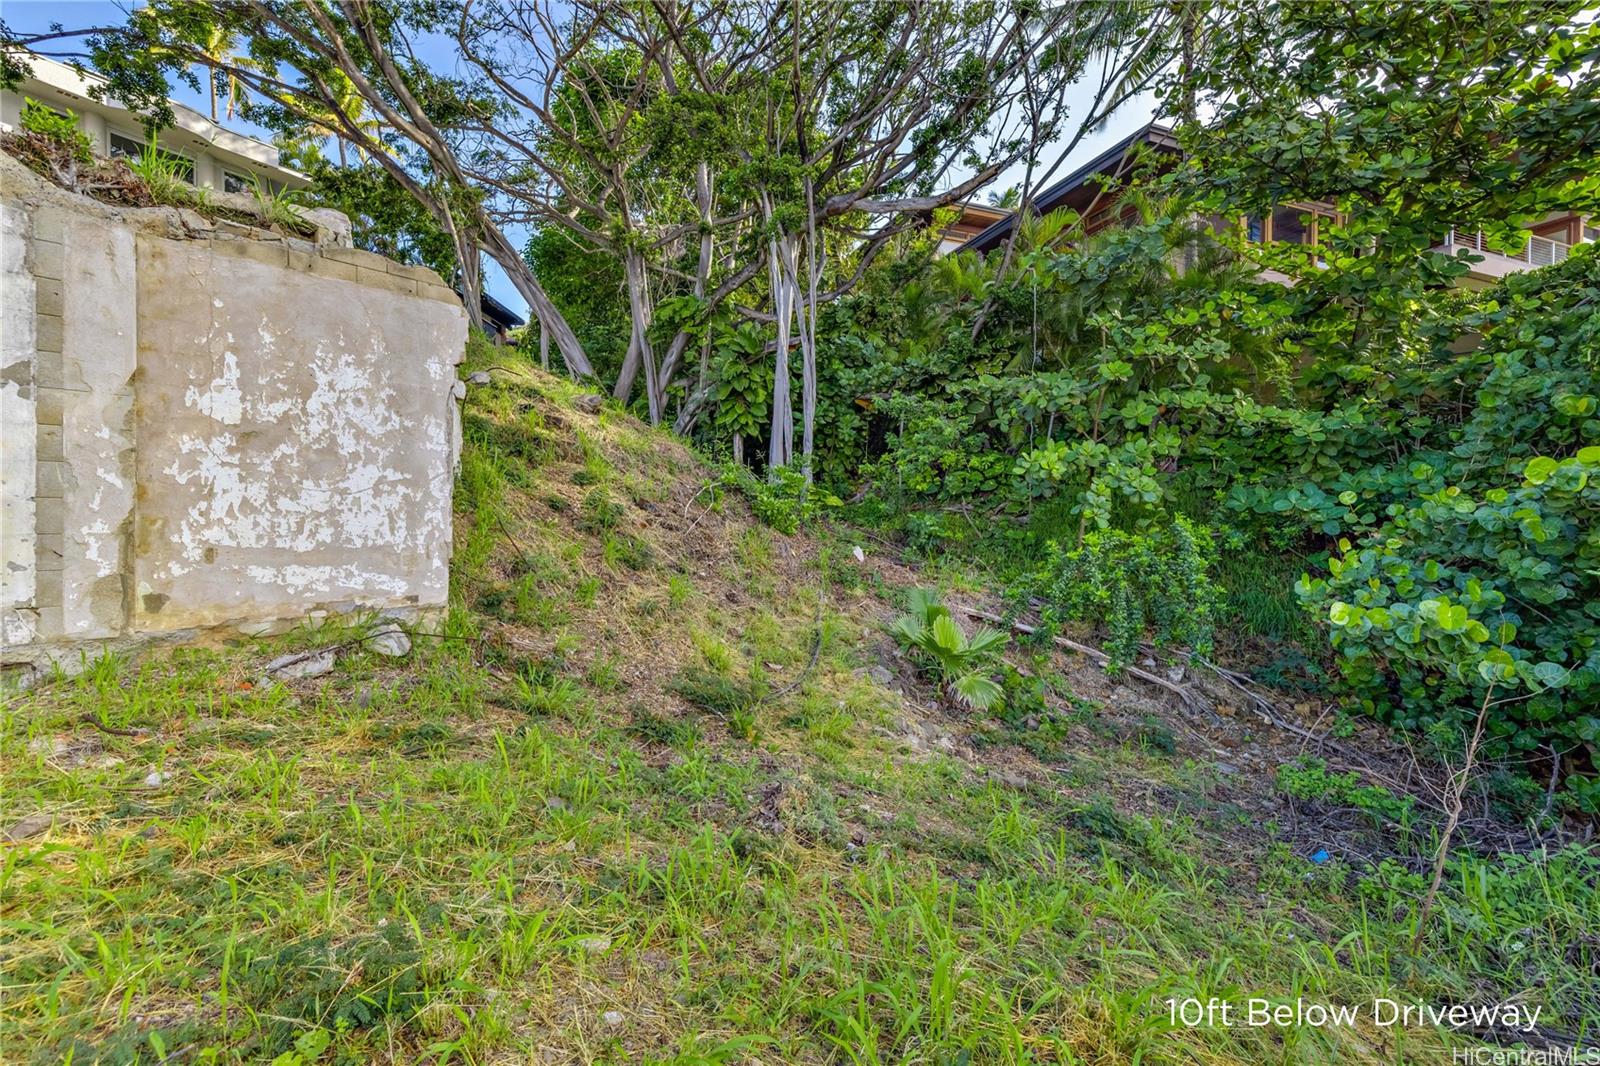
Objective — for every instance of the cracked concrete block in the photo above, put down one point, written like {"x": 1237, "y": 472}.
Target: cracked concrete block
{"x": 47, "y": 224}
{"x": 52, "y": 480}
{"x": 334, "y": 268}
{"x": 48, "y": 593}
{"x": 47, "y": 296}
{"x": 272, "y": 253}
{"x": 49, "y": 515}
{"x": 51, "y": 446}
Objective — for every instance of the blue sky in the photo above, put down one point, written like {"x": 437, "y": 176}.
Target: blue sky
{"x": 35, "y": 16}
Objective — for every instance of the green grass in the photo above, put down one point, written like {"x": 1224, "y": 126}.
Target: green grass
{"x": 611, "y": 835}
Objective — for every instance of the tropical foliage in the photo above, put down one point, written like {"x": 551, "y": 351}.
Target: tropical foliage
{"x": 961, "y": 663}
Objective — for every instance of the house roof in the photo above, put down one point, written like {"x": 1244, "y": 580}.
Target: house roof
{"x": 1061, "y": 194}
{"x": 499, "y": 313}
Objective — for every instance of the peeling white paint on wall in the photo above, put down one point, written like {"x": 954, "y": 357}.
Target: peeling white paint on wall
{"x": 222, "y": 399}
{"x": 307, "y": 451}
{"x": 99, "y": 314}
{"x": 319, "y": 579}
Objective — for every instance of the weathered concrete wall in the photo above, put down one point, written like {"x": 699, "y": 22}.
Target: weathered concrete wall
{"x": 211, "y": 430}
{"x": 18, "y": 427}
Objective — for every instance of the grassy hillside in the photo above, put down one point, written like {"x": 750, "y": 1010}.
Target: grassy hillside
{"x": 664, "y": 790}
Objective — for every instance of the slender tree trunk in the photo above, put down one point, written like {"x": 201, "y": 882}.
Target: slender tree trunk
{"x": 738, "y": 448}
{"x": 808, "y": 333}
{"x": 211, "y": 83}
{"x": 472, "y": 291}
{"x": 639, "y": 312}
{"x": 544, "y": 347}
{"x": 702, "y": 186}
{"x": 780, "y": 449}
{"x": 1186, "y": 13}
{"x": 539, "y": 302}
{"x": 629, "y": 371}
{"x": 471, "y": 271}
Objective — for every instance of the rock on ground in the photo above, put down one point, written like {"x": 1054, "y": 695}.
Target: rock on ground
{"x": 391, "y": 642}
{"x": 32, "y": 825}
{"x": 302, "y": 664}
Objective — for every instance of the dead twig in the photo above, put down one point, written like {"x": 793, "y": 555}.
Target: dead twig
{"x": 1455, "y": 792}
{"x": 1191, "y": 699}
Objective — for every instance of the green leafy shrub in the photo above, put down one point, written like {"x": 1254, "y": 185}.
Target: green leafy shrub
{"x": 1136, "y": 585}
{"x": 939, "y": 452}
{"x": 60, "y": 129}
{"x": 743, "y": 376}
{"x": 1462, "y": 591}
{"x": 960, "y": 662}
{"x": 1309, "y": 778}
{"x": 785, "y": 502}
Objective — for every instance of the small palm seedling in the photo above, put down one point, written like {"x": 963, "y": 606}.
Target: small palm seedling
{"x": 959, "y": 661}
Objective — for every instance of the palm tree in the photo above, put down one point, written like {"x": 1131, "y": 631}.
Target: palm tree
{"x": 349, "y": 104}
{"x": 218, "y": 50}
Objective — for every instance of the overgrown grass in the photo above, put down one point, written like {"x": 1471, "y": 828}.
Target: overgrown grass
{"x": 545, "y": 838}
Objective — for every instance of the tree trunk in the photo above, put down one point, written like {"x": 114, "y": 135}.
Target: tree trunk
{"x": 702, "y": 187}
{"x": 625, "y": 376}
{"x": 539, "y": 302}
{"x": 780, "y": 449}
{"x": 738, "y": 448}
{"x": 472, "y": 292}
{"x": 808, "y": 333}
{"x": 639, "y": 313}
{"x": 544, "y": 347}
{"x": 470, "y": 270}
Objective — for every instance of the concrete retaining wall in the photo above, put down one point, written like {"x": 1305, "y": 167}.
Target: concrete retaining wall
{"x": 211, "y": 430}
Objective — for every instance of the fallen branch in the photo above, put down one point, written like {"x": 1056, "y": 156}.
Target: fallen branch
{"x": 1262, "y": 706}
{"x": 1190, "y": 698}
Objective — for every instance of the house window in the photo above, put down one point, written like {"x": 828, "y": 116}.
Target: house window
{"x": 1290, "y": 225}
{"x": 1591, "y": 233}
{"x": 245, "y": 182}
{"x": 121, "y": 146}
